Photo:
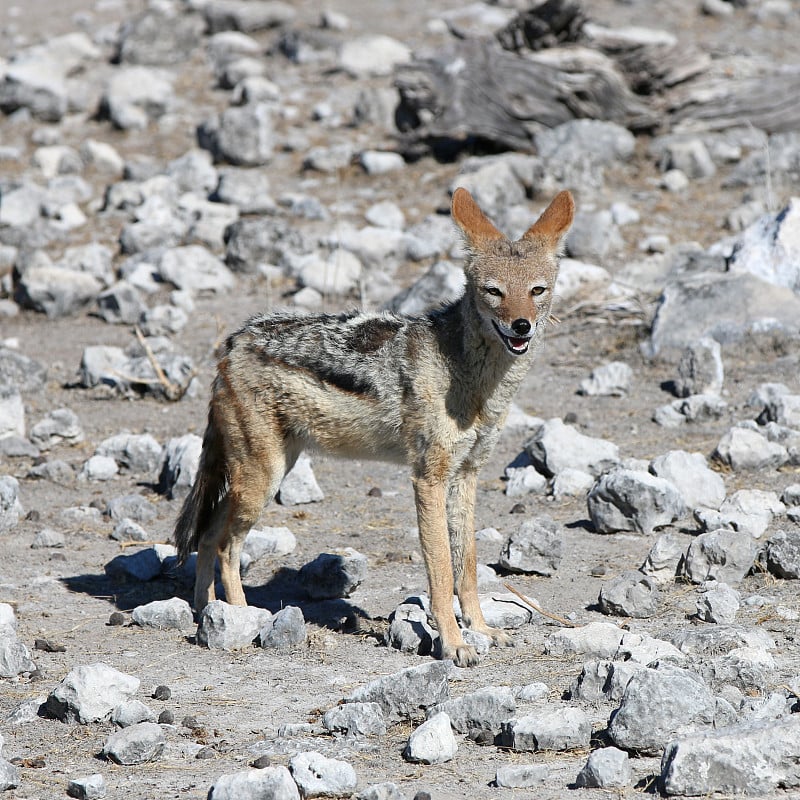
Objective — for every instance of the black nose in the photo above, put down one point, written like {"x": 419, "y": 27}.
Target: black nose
{"x": 521, "y": 327}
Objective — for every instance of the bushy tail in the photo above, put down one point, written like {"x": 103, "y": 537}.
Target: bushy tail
{"x": 208, "y": 491}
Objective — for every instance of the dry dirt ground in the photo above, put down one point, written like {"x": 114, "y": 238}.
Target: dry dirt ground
{"x": 241, "y": 699}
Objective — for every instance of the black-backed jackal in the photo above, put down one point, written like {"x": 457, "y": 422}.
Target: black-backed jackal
{"x": 430, "y": 391}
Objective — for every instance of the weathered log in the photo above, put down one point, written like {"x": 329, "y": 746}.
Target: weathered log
{"x": 767, "y": 102}
{"x": 474, "y": 90}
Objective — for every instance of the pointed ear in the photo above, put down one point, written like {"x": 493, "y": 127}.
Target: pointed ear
{"x": 475, "y": 224}
{"x": 555, "y": 220}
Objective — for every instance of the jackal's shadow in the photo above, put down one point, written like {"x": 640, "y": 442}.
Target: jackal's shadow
{"x": 282, "y": 589}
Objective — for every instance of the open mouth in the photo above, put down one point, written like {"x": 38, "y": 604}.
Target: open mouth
{"x": 516, "y": 345}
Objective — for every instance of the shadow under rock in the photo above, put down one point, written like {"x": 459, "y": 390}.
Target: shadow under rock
{"x": 281, "y": 590}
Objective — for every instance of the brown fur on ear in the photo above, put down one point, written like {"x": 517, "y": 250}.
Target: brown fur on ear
{"x": 554, "y": 221}
{"x": 475, "y": 224}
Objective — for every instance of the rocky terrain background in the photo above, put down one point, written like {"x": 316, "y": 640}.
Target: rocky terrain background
{"x": 168, "y": 168}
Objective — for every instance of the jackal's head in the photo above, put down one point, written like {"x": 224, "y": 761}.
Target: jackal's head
{"x": 512, "y": 282}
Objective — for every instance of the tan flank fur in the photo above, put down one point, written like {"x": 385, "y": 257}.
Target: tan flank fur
{"x": 430, "y": 391}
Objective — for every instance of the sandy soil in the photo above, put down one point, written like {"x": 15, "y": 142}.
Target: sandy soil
{"x": 241, "y": 699}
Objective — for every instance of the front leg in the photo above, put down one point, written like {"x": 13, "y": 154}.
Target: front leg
{"x": 461, "y": 525}
{"x": 432, "y": 520}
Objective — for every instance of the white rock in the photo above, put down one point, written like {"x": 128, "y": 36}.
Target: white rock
{"x": 433, "y": 742}
{"x": 689, "y": 473}
{"x": 372, "y": 55}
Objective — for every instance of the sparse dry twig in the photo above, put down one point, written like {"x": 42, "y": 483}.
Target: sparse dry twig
{"x": 172, "y": 391}
{"x": 538, "y": 609}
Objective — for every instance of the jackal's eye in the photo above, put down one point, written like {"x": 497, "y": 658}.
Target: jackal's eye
{"x": 538, "y": 290}
{"x": 494, "y": 291}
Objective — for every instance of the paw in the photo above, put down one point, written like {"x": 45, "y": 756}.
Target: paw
{"x": 462, "y": 655}
{"x": 499, "y": 638}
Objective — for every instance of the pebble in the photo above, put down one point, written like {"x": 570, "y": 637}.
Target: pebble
{"x": 552, "y": 728}
{"x": 333, "y": 575}
{"x": 174, "y": 613}
{"x": 630, "y": 500}
{"x": 521, "y": 776}
{"x": 606, "y": 768}
{"x": 403, "y": 693}
{"x": 90, "y": 693}
{"x": 92, "y": 787}
{"x": 535, "y": 547}
{"x": 631, "y": 594}
{"x": 286, "y": 628}
{"x": 226, "y": 627}
{"x": 273, "y": 782}
{"x": 557, "y": 446}
{"x": 723, "y": 555}
{"x": 319, "y": 776}
{"x": 610, "y": 380}
{"x": 432, "y": 742}
{"x": 299, "y": 486}
{"x": 355, "y": 720}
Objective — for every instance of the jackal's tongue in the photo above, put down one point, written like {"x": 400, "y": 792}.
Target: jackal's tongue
{"x": 517, "y": 344}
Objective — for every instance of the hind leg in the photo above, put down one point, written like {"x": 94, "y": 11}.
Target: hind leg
{"x": 207, "y": 549}
{"x": 253, "y": 483}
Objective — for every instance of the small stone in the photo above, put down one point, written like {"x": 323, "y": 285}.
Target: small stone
{"x": 664, "y": 557}
{"x": 161, "y": 692}
{"x": 700, "y": 370}
{"x": 689, "y": 473}
{"x": 747, "y": 511}
{"x": 722, "y": 555}
{"x": 629, "y": 500}
{"x": 403, "y": 693}
{"x": 299, "y": 485}
{"x": 174, "y": 613}
{"x": 724, "y": 761}
{"x": 166, "y": 717}
{"x": 557, "y": 446}
{"x": 99, "y": 468}
{"x": 550, "y": 729}
{"x": 632, "y": 594}
{"x": 132, "y": 712}
{"x": 432, "y": 742}
{"x": 59, "y": 426}
{"x": 126, "y": 530}
{"x": 782, "y": 554}
{"x": 179, "y": 465}
{"x": 521, "y": 776}
{"x": 333, "y": 575}
{"x": 90, "y": 693}
{"x": 319, "y": 776}
{"x": 355, "y": 720}
{"x": 610, "y": 380}
{"x": 226, "y": 627}
{"x": 92, "y": 787}
{"x": 47, "y": 537}
{"x": 718, "y": 604}
{"x": 271, "y": 782}
{"x": 606, "y": 768}
{"x": 283, "y": 630}
{"x": 375, "y": 162}
{"x": 137, "y": 744}
{"x": 747, "y": 449}
{"x": 410, "y": 630}
{"x": 372, "y": 55}
{"x": 484, "y": 709}
{"x": 524, "y": 480}
{"x": 536, "y": 547}
{"x": 661, "y": 704}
